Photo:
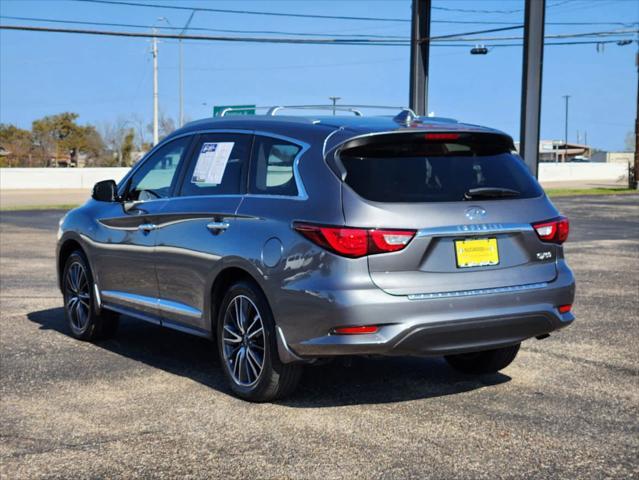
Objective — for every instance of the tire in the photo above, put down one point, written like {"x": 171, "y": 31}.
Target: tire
{"x": 248, "y": 347}
{"x": 81, "y": 312}
{"x": 488, "y": 361}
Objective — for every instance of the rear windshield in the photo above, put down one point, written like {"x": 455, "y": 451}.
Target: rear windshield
{"x": 437, "y": 172}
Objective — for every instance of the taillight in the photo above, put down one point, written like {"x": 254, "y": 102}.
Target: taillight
{"x": 441, "y": 136}
{"x": 360, "y": 330}
{"x": 355, "y": 242}
{"x": 564, "y": 308}
{"x": 555, "y": 230}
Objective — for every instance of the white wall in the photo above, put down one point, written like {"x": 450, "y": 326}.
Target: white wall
{"x": 49, "y": 178}
{"x": 574, "y": 172}
{"x": 78, "y": 178}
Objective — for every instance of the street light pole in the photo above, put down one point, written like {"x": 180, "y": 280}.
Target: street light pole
{"x": 334, "y": 100}
{"x": 566, "y": 97}
{"x": 156, "y": 135}
{"x": 186, "y": 26}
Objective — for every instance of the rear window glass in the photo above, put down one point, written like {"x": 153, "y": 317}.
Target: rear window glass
{"x": 437, "y": 172}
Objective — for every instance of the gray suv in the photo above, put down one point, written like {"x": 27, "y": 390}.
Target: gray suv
{"x": 288, "y": 240}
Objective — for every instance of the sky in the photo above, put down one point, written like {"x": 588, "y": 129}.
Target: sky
{"x": 106, "y": 78}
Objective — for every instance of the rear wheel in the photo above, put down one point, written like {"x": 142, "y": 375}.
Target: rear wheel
{"x": 79, "y": 302}
{"x": 488, "y": 361}
{"x": 248, "y": 348}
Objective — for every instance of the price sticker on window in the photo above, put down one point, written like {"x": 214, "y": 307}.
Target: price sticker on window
{"x": 211, "y": 163}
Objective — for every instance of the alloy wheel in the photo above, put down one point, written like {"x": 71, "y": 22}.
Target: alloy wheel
{"x": 77, "y": 296}
{"x": 243, "y": 341}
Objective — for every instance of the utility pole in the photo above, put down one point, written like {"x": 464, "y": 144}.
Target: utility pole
{"x": 156, "y": 135}
{"x": 566, "y": 97}
{"x": 636, "y": 169}
{"x": 531, "y": 82}
{"x": 419, "y": 49}
{"x": 334, "y": 100}
{"x": 186, "y": 26}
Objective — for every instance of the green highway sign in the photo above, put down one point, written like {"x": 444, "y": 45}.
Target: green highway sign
{"x": 237, "y": 110}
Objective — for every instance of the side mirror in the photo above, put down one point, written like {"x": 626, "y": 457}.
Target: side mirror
{"x": 105, "y": 191}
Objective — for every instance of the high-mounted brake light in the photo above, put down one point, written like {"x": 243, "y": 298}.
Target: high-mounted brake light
{"x": 355, "y": 242}
{"x": 442, "y": 136}
{"x": 555, "y": 230}
{"x": 364, "y": 329}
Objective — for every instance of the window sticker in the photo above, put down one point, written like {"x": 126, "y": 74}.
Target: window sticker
{"x": 211, "y": 162}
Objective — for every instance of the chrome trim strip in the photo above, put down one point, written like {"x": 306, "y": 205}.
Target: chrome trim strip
{"x": 130, "y": 298}
{"x": 474, "y": 229}
{"x": 178, "y": 308}
{"x": 159, "y": 303}
{"x": 481, "y": 291}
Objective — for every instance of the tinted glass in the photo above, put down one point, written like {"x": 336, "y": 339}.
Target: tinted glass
{"x": 440, "y": 173}
{"x": 218, "y": 165}
{"x": 272, "y": 170}
{"x": 156, "y": 175}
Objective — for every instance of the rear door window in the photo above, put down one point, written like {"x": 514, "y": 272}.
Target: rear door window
{"x": 218, "y": 165}
{"x": 440, "y": 171}
{"x": 273, "y": 167}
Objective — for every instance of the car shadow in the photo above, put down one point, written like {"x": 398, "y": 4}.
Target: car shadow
{"x": 344, "y": 381}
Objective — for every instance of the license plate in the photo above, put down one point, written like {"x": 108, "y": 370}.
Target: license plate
{"x": 480, "y": 252}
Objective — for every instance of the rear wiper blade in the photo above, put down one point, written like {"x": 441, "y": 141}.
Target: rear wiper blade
{"x": 490, "y": 192}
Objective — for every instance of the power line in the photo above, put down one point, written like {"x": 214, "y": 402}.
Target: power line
{"x": 457, "y": 37}
{"x": 203, "y": 29}
{"x": 337, "y": 17}
{"x": 306, "y": 41}
{"x": 245, "y": 12}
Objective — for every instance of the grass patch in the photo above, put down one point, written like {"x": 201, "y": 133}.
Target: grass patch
{"x": 18, "y": 208}
{"x": 566, "y": 192}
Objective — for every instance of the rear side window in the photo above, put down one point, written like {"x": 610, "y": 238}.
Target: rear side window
{"x": 273, "y": 167}
{"x": 218, "y": 165}
{"x": 426, "y": 171}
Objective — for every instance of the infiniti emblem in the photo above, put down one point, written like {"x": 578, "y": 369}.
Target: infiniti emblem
{"x": 475, "y": 213}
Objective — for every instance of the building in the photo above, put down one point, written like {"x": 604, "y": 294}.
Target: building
{"x": 558, "y": 151}
{"x": 614, "y": 157}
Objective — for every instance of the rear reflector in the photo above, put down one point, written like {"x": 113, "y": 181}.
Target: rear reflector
{"x": 442, "y": 136}
{"x": 555, "y": 230}
{"x": 355, "y": 242}
{"x": 356, "y": 330}
{"x": 564, "y": 308}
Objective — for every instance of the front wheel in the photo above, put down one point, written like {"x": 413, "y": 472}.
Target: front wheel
{"x": 488, "y": 361}
{"x": 79, "y": 302}
{"x": 248, "y": 348}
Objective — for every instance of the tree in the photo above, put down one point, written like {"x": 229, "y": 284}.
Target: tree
{"x": 17, "y": 146}
{"x": 59, "y": 137}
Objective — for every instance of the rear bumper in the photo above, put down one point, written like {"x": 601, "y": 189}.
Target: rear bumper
{"x": 432, "y": 326}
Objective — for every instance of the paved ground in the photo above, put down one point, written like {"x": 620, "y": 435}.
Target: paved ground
{"x": 10, "y": 199}
{"x": 152, "y": 403}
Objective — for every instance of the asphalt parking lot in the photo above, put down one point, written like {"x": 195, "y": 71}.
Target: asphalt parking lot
{"x": 153, "y": 402}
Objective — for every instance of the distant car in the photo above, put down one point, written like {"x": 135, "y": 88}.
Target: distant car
{"x": 293, "y": 239}
{"x": 579, "y": 159}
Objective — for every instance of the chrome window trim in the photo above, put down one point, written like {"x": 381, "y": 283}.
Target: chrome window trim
{"x": 474, "y": 229}
{"x": 304, "y": 147}
{"x": 477, "y": 292}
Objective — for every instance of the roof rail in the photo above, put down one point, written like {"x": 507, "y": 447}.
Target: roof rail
{"x": 355, "y": 109}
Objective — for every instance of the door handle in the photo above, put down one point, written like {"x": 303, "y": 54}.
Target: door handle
{"x": 217, "y": 226}
{"x": 147, "y": 227}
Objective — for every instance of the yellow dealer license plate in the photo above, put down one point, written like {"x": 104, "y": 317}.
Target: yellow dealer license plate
{"x": 480, "y": 252}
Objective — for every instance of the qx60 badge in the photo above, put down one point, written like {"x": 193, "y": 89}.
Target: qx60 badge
{"x": 475, "y": 213}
